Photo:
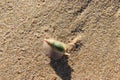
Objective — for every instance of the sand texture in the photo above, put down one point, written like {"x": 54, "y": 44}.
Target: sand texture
{"x": 24, "y": 24}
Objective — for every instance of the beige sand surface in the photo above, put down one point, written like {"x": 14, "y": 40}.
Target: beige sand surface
{"x": 24, "y": 24}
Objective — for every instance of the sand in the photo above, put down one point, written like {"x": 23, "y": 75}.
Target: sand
{"x": 24, "y": 24}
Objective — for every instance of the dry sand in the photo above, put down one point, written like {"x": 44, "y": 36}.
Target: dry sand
{"x": 24, "y": 24}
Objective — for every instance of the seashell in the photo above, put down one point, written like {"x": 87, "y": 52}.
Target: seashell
{"x": 54, "y": 49}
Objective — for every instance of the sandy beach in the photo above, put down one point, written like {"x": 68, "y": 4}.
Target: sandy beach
{"x": 24, "y": 24}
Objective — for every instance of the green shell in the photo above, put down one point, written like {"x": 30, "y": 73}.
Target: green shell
{"x": 58, "y": 46}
